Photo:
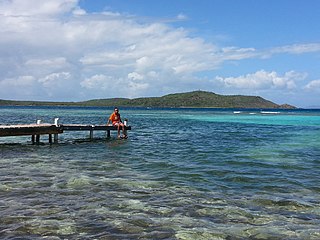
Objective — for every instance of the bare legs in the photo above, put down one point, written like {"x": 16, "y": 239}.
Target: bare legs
{"x": 123, "y": 130}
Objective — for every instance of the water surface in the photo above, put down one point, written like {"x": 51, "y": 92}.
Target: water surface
{"x": 182, "y": 174}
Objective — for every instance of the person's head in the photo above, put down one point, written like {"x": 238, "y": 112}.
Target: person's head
{"x": 116, "y": 110}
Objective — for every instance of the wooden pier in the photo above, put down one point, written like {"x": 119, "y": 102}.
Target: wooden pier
{"x": 36, "y": 130}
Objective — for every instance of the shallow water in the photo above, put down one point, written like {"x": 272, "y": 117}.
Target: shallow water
{"x": 182, "y": 174}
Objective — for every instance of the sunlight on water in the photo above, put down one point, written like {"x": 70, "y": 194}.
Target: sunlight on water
{"x": 182, "y": 174}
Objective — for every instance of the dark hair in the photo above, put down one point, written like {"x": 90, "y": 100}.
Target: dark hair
{"x": 115, "y": 108}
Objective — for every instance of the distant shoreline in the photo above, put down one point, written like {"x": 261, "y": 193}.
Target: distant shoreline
{"x": 195, "y": 99}
{"x": 140, "y": 107}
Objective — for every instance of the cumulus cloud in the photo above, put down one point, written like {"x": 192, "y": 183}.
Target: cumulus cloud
{"x": 106, "y": 51}
{"x": 59, "y": 50}
{"x": 262, "y": 80}
{"x": 135, "y": 76}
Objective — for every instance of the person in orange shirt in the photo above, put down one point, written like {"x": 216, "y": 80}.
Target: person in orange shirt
{"x": 116, "y": 121}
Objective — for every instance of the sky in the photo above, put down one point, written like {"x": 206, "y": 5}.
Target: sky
{"x": 75, "y": 50}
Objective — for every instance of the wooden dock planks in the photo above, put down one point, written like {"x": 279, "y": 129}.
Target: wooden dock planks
{"x": 28, "y": 129}
{"x": 84, "y": 127}
{"x": 43, "y": 128}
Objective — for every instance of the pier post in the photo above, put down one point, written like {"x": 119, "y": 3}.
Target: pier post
{"x": 55, "y": 136}
{"x": 38, "y": 136}
{"x": 125, "y": 126}
{"x": 108, "y": 134}
{"x": 50, "y": 138}
{"x": 91, "y": 132}
{"x": 56, "y": 122}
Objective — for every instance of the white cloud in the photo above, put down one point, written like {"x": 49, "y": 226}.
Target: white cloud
{"x": 297, "y": 48}
{"x": 234, "y": 53}
{"x": 36, "y": 7}
{"x": 262, "y": 80}
{"x": 54, "y": 46}
{"x": 55, "y": 79}
{"x": 59, "y": 61}
{"x": 313, "y": 85}
{"x": 290, "y": 49}
{"x": 79, "y": 11}
{"x": 135, "y": 76}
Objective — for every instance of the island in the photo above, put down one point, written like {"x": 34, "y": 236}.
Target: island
{"x": 194, "y": 99}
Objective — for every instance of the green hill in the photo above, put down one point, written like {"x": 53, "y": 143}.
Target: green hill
{"x": 199, "y": 99}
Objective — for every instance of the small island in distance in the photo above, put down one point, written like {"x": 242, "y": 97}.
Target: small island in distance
{"x": 195, "y": 99}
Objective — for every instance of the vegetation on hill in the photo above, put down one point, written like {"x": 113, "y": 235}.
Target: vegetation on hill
{"x": 198, "y": 99}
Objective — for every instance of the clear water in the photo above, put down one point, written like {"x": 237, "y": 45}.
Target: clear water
{"x": 182, "y": 174}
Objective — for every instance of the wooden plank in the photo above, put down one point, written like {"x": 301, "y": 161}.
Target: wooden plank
{"x": 21, "y": 130}
{"x": 80, "y": 127}
{"x": 40, "y": 129}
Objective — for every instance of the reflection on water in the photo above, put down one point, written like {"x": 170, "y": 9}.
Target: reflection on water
{"x": 178, "y": 176}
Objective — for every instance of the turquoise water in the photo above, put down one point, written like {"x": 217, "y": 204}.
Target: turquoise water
{"x": 182, "y": 174}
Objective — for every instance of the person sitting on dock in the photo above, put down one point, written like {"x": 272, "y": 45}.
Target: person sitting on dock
{"x": 116, "y": 121}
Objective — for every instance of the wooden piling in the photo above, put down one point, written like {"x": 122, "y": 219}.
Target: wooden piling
{"x": 91, "y": 131}
{"x": 38, "y": 136}
{"x": 55, "y": 136}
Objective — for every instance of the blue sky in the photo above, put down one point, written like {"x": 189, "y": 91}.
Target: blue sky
{"x": 71, "y": 50}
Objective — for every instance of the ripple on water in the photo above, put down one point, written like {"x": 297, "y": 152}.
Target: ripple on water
{"x": 197, "y": 175}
